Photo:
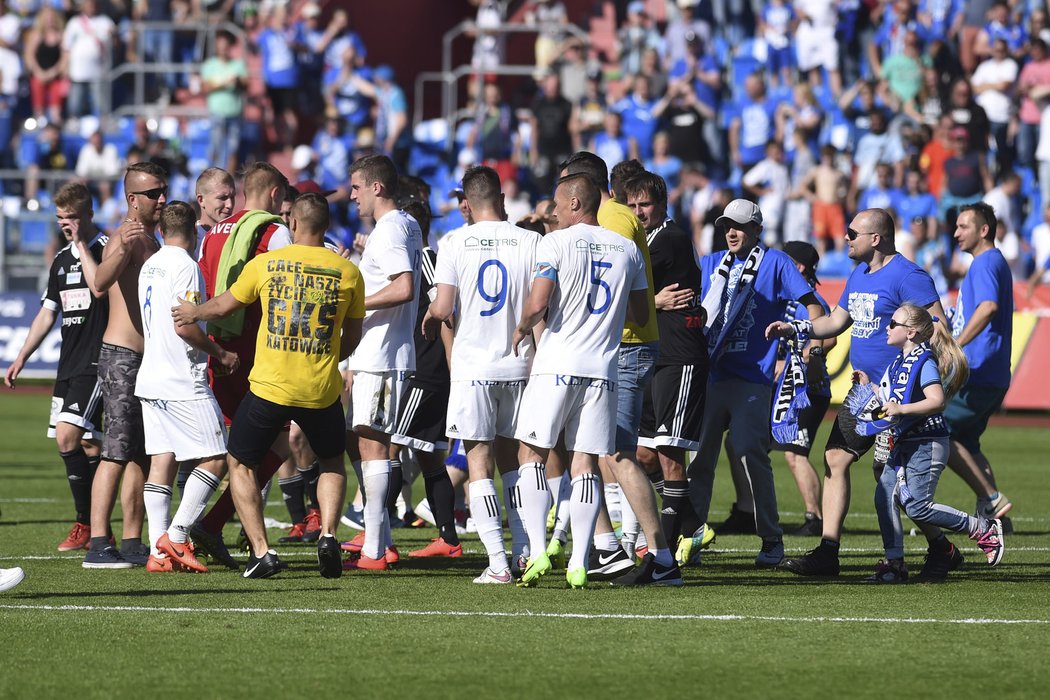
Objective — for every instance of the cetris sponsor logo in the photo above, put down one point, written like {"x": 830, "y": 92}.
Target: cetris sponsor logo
{"x": 475, "y": 242}
{"x": 591, "y": 246}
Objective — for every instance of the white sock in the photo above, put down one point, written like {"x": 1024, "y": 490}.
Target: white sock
{"x": 561, "y": 515}
{"x": 584, "y": 503}
{"x": 264, "y": 492}
{"x": 199, "y": 488}
{"x": 606, "y": 540}
{"x": 519, "y": 541}
{"x": 628, "y": 521}
{"x": 157, "y": 498}
{"x": 641, "y": 541}
{"x": 612, "y": 502}
{"x": 375, "y": 475}
{"x": 181, "y": 478}
{"x": 484, "y": 508}
{"x": 535, "y": 502}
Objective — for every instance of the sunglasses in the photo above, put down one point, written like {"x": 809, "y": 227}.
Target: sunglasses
{"x": 852, "y": 235}
{"x": 155, "y": 193}
{"x": 896, "y": 324}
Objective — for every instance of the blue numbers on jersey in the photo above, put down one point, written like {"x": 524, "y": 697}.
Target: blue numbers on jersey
{"x": 147, "y": 309}
{"x": 598, "y": 285}
{"x": 499, "y": 297}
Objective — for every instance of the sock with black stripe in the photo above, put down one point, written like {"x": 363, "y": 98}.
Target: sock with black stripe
{"x": 293, "y": 490}
{"x": 157, "y": 498}
{"x": 199, "y": 489}
{"x": 484, "y": 508}
{"x": 310, "y": 476}
{"x": 535, "y": 502}
{"x": 78, "y": 473}
{"x": 584, "y": 503}
{"x": 519, "y": 540}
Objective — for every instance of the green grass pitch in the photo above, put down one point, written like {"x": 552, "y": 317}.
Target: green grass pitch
{"x": 425, "y": 631}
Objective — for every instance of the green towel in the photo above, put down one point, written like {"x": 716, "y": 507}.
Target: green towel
{"x": 237, "y": 251}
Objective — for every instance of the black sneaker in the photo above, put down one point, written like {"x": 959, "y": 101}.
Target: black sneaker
{"x": 651, "y": 573}
{"x": 606, "y": 564}
{"x": 105, "y": 558}
{"x": 822, "y": 561}
{"x": 939, "y": 562}
{"x": 135, "y": 552}
{"x": 262, "y": 567}
{"x": 813, "y": 527}
{"x": 213, "y": 547}
{"x": 738, "y": 523}
{"x": 1008, "y": 525}
{"x": 329, "y": 557}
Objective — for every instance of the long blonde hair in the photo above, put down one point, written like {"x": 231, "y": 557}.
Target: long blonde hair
{"x": 951, "y": 360}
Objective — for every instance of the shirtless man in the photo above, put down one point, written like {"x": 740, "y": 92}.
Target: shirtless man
{"x": 145, "y": 185}
{"x": 824, "y": 187}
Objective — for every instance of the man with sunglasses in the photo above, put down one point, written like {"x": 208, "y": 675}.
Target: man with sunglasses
{"x": 145, "y": 185}
{"x": 881, "y": 282}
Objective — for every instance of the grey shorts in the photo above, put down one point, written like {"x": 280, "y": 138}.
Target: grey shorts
{"x": 124, "y": 440}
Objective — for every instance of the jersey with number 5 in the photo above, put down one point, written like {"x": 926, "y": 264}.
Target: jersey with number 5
{"x": 490, "y": 264}
{"x": 595, "y": 271}
{"x": 387, "y": 337}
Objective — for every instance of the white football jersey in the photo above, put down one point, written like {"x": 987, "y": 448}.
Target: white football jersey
{"x": 394, "y": 246}
{"x": 171, "y": 368}
{"x": 490, "y": 264}
{"x": 596, "y": 270}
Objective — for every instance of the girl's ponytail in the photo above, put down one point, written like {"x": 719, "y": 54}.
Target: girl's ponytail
{"x": 951, "y": 360}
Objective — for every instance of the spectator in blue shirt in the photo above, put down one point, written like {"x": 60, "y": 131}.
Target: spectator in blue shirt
{"x": 753, "y": 125}
{"x": 343, "y": 90}
{"x": 916, "y": 203}
{"x": 636, "y": 113}
{"x": 881, "y": 195}
{"x": 1000, "y": 26}
{"x": 281, "y": 75}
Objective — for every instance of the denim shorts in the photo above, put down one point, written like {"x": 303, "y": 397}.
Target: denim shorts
{"x": 635, "y": 367}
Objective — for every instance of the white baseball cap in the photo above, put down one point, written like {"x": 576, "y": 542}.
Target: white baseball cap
{"x": 740, "y": 212}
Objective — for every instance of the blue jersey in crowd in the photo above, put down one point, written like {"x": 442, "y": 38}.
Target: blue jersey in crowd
{"x": 279, "y": 67}
{"x": 757, "y": 128}
{"x": 988, "y": 279}
{"x": 748, "y": 355}
{"x": 910, "y": 206}
{"x": 871, "y": 298}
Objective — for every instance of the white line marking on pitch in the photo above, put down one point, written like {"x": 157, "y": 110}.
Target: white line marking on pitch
{"x": 557, "y": 616}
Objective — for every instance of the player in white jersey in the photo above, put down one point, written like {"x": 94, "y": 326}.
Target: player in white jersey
{"x": 389, "y": 266}
{"x": 586, "y": 276}
{"x": 182, "y": 420}
{"x": 483, "y": 274}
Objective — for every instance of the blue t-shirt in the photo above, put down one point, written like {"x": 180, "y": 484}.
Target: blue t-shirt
{"x": 638, "y": 122}
{"x": 748, "y": 355}
{"x": 756, "y": 128}
{"x": 278, "y": 60}
{"x": 878, "y": 198}
{"x": 911, "y": 205}
{"x": 871, "y": 298}
{"x": 988, "y": 279}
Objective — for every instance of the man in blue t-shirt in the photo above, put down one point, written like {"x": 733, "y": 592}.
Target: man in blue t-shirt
{"x": 744, "y": 290}
{"x": 882, "y": 281}
{"x": 982, "y": 324}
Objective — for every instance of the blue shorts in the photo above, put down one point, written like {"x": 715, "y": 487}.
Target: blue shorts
{"x": 635, "y": 367}
{"x": 968, "y": 412}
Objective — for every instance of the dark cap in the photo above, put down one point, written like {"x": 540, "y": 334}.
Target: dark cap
{"x": 805, "y": 255}
{"x": 304, "y": 186}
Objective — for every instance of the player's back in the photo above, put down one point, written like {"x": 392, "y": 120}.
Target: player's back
{"x": 596, "y": 270}
{"x": 490, "y": 263}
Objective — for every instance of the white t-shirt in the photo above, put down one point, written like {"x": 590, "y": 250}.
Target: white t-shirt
{"x": 10, "y": 71}
{"x": 1041, "y": 249}
{"x": 1042, "y": 150}
{"x": 171, "y": 368}
{"x": 768, "y": 173}
{"x": 996, "y": 104}
{"x": 595, "y": 270}
{"x": 88, "y": 41}
{"x": 387, "y": 343}
{"x": 490, "y": 264}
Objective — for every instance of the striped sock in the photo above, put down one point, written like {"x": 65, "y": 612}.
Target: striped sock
{"x": 584, "y": 503}
{"x": 157, "y": 498}
{"x": 199, "y": 489}
{"x": 484, "y": 508}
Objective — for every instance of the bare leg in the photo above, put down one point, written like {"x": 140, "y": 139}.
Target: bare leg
{"x": 836, "y": 491}
{"x": 639, "y": 493}
{"x": 247, "y": 499}
{"x": 806, "y": 480}
{"x": 974, "y": 469}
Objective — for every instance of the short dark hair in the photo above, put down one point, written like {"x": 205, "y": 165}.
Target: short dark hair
{"x": 73, "y": 195}
{"x": 621, "y": 173}
{"x": 178, "y": 219}
{"x": 985, "y": 216}
{"x": 146, "y": 168}
{"x": 582, "y": 188}
{"x": 587, "y": 163}
{"x": 377, "y": 168}
{"x": 649, "y": 185}
{"x": 882, "y": 223}
{"x": 482, "y": 184}
{"x": 311, "y": 210}
{"x": 420, "y": 211}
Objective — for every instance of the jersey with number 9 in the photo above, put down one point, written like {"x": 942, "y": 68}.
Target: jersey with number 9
{"x": 490, "y": 264}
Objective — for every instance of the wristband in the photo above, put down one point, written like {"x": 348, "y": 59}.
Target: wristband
{"x": 802, "y": 327}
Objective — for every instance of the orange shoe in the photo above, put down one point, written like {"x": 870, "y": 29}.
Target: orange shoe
{"x": 312, "y": 531}
{"x": 158, "y": 565}
{"x": 392, "y": 556}
{"x": 79, "y": 538}
{"x": 355, "y": 544}
{"x": 295, "y": 534}
{"x": 181, "y": 553}
{"x": 366, "y": 563}
{"x": 438, "y": 547}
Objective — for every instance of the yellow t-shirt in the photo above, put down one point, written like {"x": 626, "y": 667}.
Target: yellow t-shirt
{"x": 620, "y": 219}
{"x": 305, "y": 293}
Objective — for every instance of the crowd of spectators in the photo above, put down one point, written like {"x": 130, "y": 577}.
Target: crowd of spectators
{"x": 813, "y": 108}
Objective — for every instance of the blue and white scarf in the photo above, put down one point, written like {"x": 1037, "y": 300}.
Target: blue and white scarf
{"x": 724, "y": 307}
{"x": 791, "y": 396}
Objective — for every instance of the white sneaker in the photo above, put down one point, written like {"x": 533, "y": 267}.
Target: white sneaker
{"x": 9, "y": 578}
{"x": 489, "y": 576}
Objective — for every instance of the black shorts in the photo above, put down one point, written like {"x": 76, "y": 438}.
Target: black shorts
{"x": 844, "y": 435}
{"x": 421, "y": 417}
{"x": 125, "y": 440}
{"x": 77, "y": 401}
{"x": 673, "y": 408}
{"x": 809, "y": 420}
{"x": 283, "y": 99}
{"x": 258, "y": 421}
